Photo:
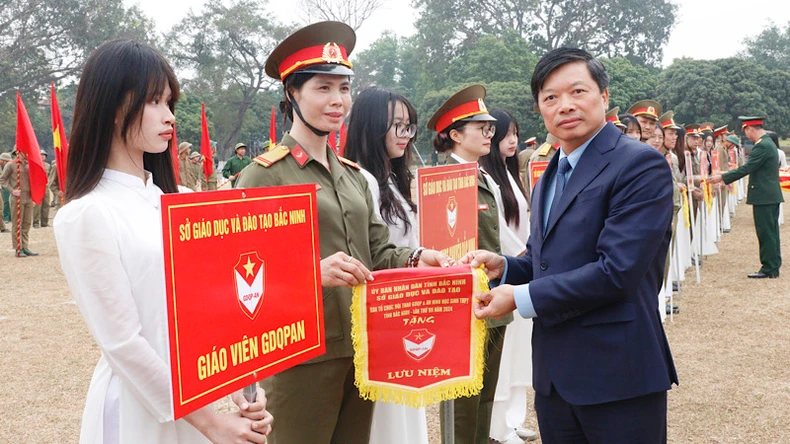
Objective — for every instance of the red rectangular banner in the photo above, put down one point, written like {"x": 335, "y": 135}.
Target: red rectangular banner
{"x": 447, "y": 208}
{"x": 536, "y": 169}
{"x": 416, "y": 339}
{"x": 243, "y": 288}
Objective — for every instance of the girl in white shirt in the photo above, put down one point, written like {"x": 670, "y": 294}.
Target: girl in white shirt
{"x": 381, "y": 133}
{"x": 515, "y": 370}
{"x": 109, "y": 239}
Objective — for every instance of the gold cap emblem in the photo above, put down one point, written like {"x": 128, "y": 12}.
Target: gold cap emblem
{"x": 332, "y": 53}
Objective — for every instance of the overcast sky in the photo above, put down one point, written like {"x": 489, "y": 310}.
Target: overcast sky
{"x": 706, "y": 29}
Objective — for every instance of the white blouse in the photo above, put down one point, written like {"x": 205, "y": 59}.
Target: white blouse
{"x": 110, "y": 247}
{"x": 398, "y": 234}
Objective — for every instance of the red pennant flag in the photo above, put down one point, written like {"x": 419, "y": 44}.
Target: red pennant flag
{"x": 205, "y": 146}
{"x": 273, "y": 130}
{"x": 341, "y": 145}
{"x": 332, "y": 141}
{"x": 174, "y": 155}
{"x": 27, "y": 143}
{"x": 60, "y": 142}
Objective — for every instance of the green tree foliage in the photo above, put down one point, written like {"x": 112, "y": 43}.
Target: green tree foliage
{"x": 598, "y": 26}
{"x": 629, "y": 83}
{"x": 380, "y": 64}
{"x": 721, "y": 90}
{"x": 47, "y": 40}
{"x": 770, "y": 48}
{"x": 226, "y": 46}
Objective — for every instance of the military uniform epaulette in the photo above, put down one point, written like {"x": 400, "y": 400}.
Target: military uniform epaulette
{"x": 272, "y": 156}
{"x": 544, "y": 149}
{"x": 349, "y": 162}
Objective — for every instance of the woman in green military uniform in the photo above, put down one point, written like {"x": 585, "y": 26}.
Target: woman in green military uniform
{"x": 465, "y": 129}
{"x": 317, "y": 402}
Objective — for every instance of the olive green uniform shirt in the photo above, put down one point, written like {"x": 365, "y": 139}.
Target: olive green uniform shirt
{"x": 347, "y": 222}
{"x": 234, "y": 165}
{"x": 762, "y": 167}
{"x": 8, "y": 180}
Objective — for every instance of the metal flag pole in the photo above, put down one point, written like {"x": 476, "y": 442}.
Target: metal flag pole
{"x": 448, "y": 420}
{"x": 251, "y": 391}
{"x": 692, "y": 216}
{"x": 18, "y": 233}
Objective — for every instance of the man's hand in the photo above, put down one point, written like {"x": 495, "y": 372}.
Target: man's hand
{"x": 496, "y": 303}
{"x": 716, "y": 178}
{"x": 494, "y": 263}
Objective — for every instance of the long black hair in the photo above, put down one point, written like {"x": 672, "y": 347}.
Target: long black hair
{"x": 121, "y": 74}
{"x": 493, "y": 164}
{"x": 372, "y": 117}
{"x": 680, "y": 146}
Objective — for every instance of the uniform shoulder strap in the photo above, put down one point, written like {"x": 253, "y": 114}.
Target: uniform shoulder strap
{"x": 272, "y": 156}
{"x": 350, "y": 163}
{"x": 544, "y": 149}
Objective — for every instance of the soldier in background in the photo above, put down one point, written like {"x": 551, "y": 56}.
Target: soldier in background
{"x": 195, "y": 176}
{"x": 546, "y": 151}
{"x": 764, "y": 194}
{"x": 19, "y": 196}
{"x": 4, "y": 158}
{"x": 646, "y": 113}
{"x": 611, "y": 116}
{"x": 183, "y": 164}
{"x": 523, "y": 163}
{"x": 211, "y": 183}
{"x": 235, "y": 164}
{"x": 54, "y": 185}
{"x": 41, "y": 212}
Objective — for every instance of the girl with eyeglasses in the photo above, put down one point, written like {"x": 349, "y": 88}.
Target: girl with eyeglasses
{"x": 381, "y": 133}
{"x": 464, "y": 129}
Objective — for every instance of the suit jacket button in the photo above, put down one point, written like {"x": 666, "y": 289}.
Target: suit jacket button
{"x": 544, "y": 266}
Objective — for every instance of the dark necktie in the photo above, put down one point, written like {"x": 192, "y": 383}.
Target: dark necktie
{"x": 563, "y": 167}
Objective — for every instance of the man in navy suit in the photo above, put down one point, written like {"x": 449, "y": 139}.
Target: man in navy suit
{"x": 593, "y": 268}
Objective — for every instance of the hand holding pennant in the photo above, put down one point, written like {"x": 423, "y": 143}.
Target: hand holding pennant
{"x": 416, "y": 339}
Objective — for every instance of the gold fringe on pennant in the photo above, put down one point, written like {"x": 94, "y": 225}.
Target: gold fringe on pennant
{"x": 686, "y": 209}
{"x": 409, "y": 396}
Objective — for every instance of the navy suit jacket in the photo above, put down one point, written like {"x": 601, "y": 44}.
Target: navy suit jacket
{"x": 595, "y": 274}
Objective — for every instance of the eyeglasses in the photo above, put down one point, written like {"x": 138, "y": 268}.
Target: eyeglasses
{"x": 488, "y": 130}
{"x": 404, "y": 130}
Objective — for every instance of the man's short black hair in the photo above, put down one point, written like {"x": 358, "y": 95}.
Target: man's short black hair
{"x": 556, "y": 58}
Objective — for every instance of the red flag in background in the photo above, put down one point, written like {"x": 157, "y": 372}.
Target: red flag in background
{"x": 273, "y": 130}
{"x": 26, "y": 143}
{"x": 205, "y": 146}
{"x": 59, "y": 140}
{"x": 174, "y": 155}
{"x": 341, "y": 145}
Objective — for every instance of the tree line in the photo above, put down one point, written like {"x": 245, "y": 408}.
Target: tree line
{"x": 219, "y": 54}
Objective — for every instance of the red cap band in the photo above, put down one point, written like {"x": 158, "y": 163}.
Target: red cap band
{"x": 650, "y": 111}
{"x": 314, "y": 55}
{"x": 460, "y": 112}
{"x": 751, "y": 123}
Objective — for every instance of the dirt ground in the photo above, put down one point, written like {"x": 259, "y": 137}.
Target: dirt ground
{"x": 731, "y": 344}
